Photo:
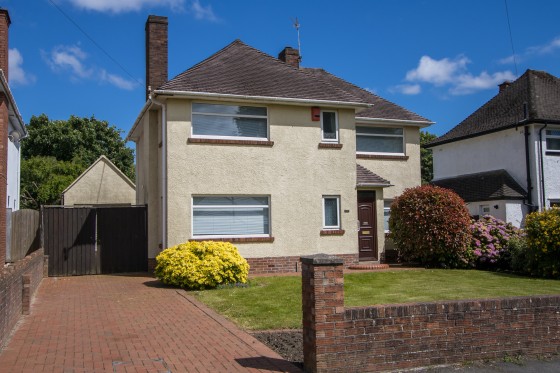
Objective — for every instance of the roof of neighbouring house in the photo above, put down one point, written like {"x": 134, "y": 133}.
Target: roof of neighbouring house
{"x": 533, "y": 97}
{"x": 381, "y": 109}
{"x": 365, "y": 177}
{"x": 484, "y": 186}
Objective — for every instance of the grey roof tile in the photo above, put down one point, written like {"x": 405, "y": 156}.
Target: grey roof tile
{"x": 484, "y": 186}
{"x": 533, "y": 97}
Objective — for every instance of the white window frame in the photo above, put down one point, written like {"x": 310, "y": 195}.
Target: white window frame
{"x": 376, "y": 135}
{"x": 547, "y": 136}
{"x": 336, "y": 139}
{"x": 269, "y": 234}
{"x": 481, "y": 210}
{"x": 230, "y": 115}
{"x": 337, "y": 212}
{"x": 385, "y": 208}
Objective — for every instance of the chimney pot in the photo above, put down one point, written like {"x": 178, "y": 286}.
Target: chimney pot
{"x": 290, "y": 56}
{"x": 156, "y": 52}
{"x": 504, "y": 85}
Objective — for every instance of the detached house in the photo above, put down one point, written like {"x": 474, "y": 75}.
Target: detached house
{"x": 281, "y": 160}
{"x": 504, "y": 159}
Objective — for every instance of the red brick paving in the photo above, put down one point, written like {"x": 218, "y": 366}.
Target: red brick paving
{"x": 129, "y": 324}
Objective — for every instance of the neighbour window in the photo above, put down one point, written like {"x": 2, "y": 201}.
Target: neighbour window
{"x": 231, "y": 216}
{"x": 385, "y": 140}
{"x": 484, "y": 210}
{"x": 554, "y": 203}
{"x": 229, "y": 121}
{"x": 331, "y": 212}
{"x": 553, "y": 140}
{"x": 329, "y": 126}
{"x": 386, "y": 214}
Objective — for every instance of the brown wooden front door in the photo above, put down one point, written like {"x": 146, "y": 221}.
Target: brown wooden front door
{"x": 367, "y": 234}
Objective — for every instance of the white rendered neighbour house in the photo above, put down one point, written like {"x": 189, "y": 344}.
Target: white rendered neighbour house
{"x": 279, "y": 159}
{"x": 504, "y": 159}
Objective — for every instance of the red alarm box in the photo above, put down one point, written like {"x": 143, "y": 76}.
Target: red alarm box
{"x": 315, "y": 114}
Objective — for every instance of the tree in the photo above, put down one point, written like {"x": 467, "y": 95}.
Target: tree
{"x": 426, "y": 158}
{"x": 58, "y": 151}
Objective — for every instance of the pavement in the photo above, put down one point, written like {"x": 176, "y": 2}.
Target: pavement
{"x": 129, "y": 323}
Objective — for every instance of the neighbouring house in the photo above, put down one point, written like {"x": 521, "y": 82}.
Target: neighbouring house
{"x": 101, "y": 184}
{"x": 279, "y": 159}
{"x": 504, "y": 159}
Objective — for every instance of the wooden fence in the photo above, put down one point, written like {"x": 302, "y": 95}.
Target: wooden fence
{"x": 23, "y": 234}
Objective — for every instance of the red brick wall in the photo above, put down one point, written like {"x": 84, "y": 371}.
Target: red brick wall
{"x": 13, "y": 299}
{"x": 284, "y": 264}
{"x": 4, "y": 46}
{"x": 3, "y": 173}
{"x": 156, "y": 52}
{"x": 391, "y": 337}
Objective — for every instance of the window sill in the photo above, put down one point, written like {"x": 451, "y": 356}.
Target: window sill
{"x": 554, "y": 154}
{"x": 236, "y": 239}
{"x": 193, "y": 140}
{"x": 326, "y": 145}
{"x": 332, "y": 232}
{"x": 381, "y": 156}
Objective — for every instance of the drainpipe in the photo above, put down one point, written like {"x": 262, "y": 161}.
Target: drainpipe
{"x": 528, "y": 166}
{"x": 543, "y": 206}
{"x": 163, "y": 171}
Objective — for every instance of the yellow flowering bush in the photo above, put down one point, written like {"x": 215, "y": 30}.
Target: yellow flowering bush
{"x": 543, "y": 242}
{"x": 201, "y": 265}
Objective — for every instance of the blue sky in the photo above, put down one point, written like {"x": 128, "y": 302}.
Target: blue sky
{"x": 439, "y": 58}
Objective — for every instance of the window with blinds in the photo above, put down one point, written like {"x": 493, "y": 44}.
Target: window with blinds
{"x": 229, "y": 121}
{"x": 231, "y": 216}
{"x": 384, "y": 140}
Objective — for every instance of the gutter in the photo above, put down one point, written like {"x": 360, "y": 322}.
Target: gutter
{"x": 543, "y": 206}
{"x": 145, "y": 108}
{"x": 280, "y": 100}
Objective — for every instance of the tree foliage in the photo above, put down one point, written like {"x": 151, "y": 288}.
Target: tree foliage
{"x": 426, "y": 158}
{"x": 57, "y": 151}
{"x": 431, "y": 225}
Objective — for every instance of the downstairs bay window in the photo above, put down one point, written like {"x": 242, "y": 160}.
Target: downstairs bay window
{"x": 230, "y": 216}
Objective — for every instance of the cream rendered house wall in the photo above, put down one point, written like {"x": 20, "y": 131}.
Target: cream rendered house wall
{"x": 293, "y": 172}
{"x": 100, "y": 184}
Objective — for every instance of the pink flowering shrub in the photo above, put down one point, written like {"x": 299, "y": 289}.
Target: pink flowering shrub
{"x": 489, "y": 243}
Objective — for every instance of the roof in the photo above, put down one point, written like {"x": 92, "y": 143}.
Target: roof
{"x": 533, "y": 97}
{"x": 107, "y": 161}
{"x": 241, "y": 70}
{"x": 381, "y": 109}
{"x": 484, "y": 186}
{"x": 365, "y": 177}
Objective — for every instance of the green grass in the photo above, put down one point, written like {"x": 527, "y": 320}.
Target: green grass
{"x": 275, "y": 302}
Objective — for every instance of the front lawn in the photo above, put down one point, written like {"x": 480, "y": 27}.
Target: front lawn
{"x": 275, "y": 302}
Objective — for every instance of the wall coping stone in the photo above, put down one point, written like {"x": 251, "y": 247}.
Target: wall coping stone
{"x": 322, "y": 260}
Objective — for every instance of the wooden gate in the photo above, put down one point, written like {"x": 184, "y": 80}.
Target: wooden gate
{"x": 95, "y": 240}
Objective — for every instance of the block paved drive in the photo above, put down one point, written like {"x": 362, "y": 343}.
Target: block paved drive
{"x": 129, "y": 324}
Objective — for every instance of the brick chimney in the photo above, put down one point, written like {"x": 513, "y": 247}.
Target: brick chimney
{"x": 156, "y": 52}
{"x": 4, "y": 25}
{"x": 290, "y": 56}
{"x": 504, "y": 85}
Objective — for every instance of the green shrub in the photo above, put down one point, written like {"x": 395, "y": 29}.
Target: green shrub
{"x": 490, "y": 242}
{"x": 201, "y": 265}
{"x": 431, "y": 225}
{"x": 517, "y": 248}
{"x": 543, "y": 240}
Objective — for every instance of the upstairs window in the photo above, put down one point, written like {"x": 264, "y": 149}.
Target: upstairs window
{"x": 553, "y": 140}
{"x": 229, "y": 121}
{"x": 381, "y": 140}
{"x": 329, "y": 126}
{"x": 229, "y": 216}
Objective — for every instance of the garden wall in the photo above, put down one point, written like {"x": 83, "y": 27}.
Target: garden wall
{"x": 285, "y": 264}
{"x": 18, "y": 283}
{"x": 388, "y": 337}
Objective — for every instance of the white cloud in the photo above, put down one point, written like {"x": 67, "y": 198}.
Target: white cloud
{"x": 73, "y": 60}
{"x": 450, "y": 73}
{"x": 540, "y": 50}
{"x": 17, "y": 75}
{"x": 438, "y": 72}
{"x": 407, "y": 89}
{"x": 467, "y": 83}
{"x": 121, "y": 6}
{"x": 117, "y": 81}
{"x": 202, "y": 12}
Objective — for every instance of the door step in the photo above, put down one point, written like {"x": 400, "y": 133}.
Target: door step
{"x": 369, "y": 266}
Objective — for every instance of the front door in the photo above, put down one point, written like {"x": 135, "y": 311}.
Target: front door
{"x": 367, "y": 234}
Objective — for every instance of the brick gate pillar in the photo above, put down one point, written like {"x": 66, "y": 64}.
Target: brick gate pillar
{"x": 322, "y": 291}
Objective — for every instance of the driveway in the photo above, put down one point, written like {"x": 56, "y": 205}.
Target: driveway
{"x": 129, "y": 324}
